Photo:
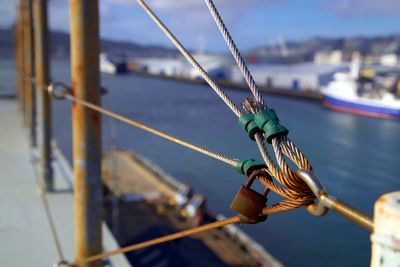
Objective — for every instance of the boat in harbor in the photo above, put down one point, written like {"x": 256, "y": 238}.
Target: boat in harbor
{"x": 151, "y": 203}
{"x": 376, "y": 95}
{"x": 112, "y": 66}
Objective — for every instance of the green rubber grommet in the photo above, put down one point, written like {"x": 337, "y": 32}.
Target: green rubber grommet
{"x": 246, "y": 121}
{"x": 247, "y": 165}
{"x": 268, "y": 121}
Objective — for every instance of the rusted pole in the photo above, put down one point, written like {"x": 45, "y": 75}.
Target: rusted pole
{"x": 30, "y": 96}
{"x": 86, "y": 128}
{"x": 22, "y": 14}
{"x": 17, "y": 47}
{"x": 42, "y": 79}
{"x": 386, "y": 236}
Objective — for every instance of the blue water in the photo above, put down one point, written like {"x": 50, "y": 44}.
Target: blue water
{"x": 355, "y": 157}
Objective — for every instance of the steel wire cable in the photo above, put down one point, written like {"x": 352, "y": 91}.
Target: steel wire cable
{"x": 190, "y": 58}
{"x": 230, "y": 161}
{"x": 236, "y": 54}
{"x": 281, "y": 145}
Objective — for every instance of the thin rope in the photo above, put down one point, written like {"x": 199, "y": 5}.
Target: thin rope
{"x": 230, "y": 161}
{"x": 235, "y": 53}
{"x": 46, "y": 207}
{"x": 190, "y": 58}
{"x": 152, "y": 242}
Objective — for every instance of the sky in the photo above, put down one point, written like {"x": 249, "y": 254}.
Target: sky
{"x": 252, "y": 23}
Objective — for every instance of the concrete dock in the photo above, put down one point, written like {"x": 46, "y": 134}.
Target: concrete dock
{"x": 25, "y": 233}
{"x": 147, "y": 213}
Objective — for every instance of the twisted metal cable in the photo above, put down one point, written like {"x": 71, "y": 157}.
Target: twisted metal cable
{"x": 190, "y": 58}
{"x": 302, "y": 159}
{"x": 282, "y": 145}
{"x": 293, "y": 199}
{"x": 230, "y": 161}
{"x": 249, "y": 105}
{"x": 289, "y": 174}
{"x": 236, "y": 54}
{"x": 284, "y": 173}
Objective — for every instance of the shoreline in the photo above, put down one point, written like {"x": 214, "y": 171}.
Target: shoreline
{"x": 306, "y": 94}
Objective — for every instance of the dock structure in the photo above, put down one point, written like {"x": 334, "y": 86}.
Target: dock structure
{"x": 143, "y": 188}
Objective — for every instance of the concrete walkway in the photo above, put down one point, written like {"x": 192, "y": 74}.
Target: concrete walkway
{"x": 25, "y": 236}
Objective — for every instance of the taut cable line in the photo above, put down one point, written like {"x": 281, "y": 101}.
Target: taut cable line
{"x": 64, "y": 94}
{"x": 232, "y": 162}
{"x": 190, "y": 59}
{"x": 236, "y": 54}
{"x": 152, "y": 242}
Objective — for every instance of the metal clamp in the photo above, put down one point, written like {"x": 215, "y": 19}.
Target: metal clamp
{"x": 312, "y": 181}
{"x": 326, "y": 202}
{"x": 58, "y": 90}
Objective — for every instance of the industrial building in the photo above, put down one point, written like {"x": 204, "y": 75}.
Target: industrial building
{"x": 217, "y": 66}
{"x": 304, "y": 76}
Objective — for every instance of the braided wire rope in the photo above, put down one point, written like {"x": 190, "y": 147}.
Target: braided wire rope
{"x": 190, "y": 58}
{"x": 236, "y": 54}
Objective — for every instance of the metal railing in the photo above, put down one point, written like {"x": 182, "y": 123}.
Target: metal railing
{"x": 299, "y": 188}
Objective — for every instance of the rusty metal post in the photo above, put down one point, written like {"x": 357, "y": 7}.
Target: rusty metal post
{"x": 21, "y": 58}
{"x": 86, "y": 128}
{"x": 18, "y": 54}
{"x": 386, "y": 236}
{"x": 30, "y": 96}
{"x": 22, "y": 14}
{"x": 42, "y": 79}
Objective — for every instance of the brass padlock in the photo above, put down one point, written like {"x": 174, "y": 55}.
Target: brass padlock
{"x": 248, "y": 202}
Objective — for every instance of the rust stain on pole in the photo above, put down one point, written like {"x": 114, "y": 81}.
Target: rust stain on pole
{"x": 42, "y": 79}
{"x": 30, "y": 96}
{"x": 86, "y": 128}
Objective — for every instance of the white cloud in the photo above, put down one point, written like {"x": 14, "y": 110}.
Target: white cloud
{"x": 190, "y": 20}
{"x": 362, "y": 7}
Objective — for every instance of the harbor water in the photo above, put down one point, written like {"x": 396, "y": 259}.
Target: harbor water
{"x": 355, "y": 157}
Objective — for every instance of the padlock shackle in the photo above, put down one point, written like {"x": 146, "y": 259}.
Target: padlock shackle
{"x": 250, "y": 180}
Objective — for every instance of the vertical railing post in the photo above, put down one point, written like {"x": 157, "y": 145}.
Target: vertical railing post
{"x": 17, "y": 47}
{"x": 86, "y": 128}
{"x": 42, "y": 79}
{"x": 30, "y": 95}
{"x": 386, "y": 236}
{"x": 24, "y": 97}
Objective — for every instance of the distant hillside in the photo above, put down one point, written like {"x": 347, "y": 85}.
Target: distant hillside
{"x": 60, "y": 46}
{"x": 306, "y": 49}
{"x": 302, "y": 50}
